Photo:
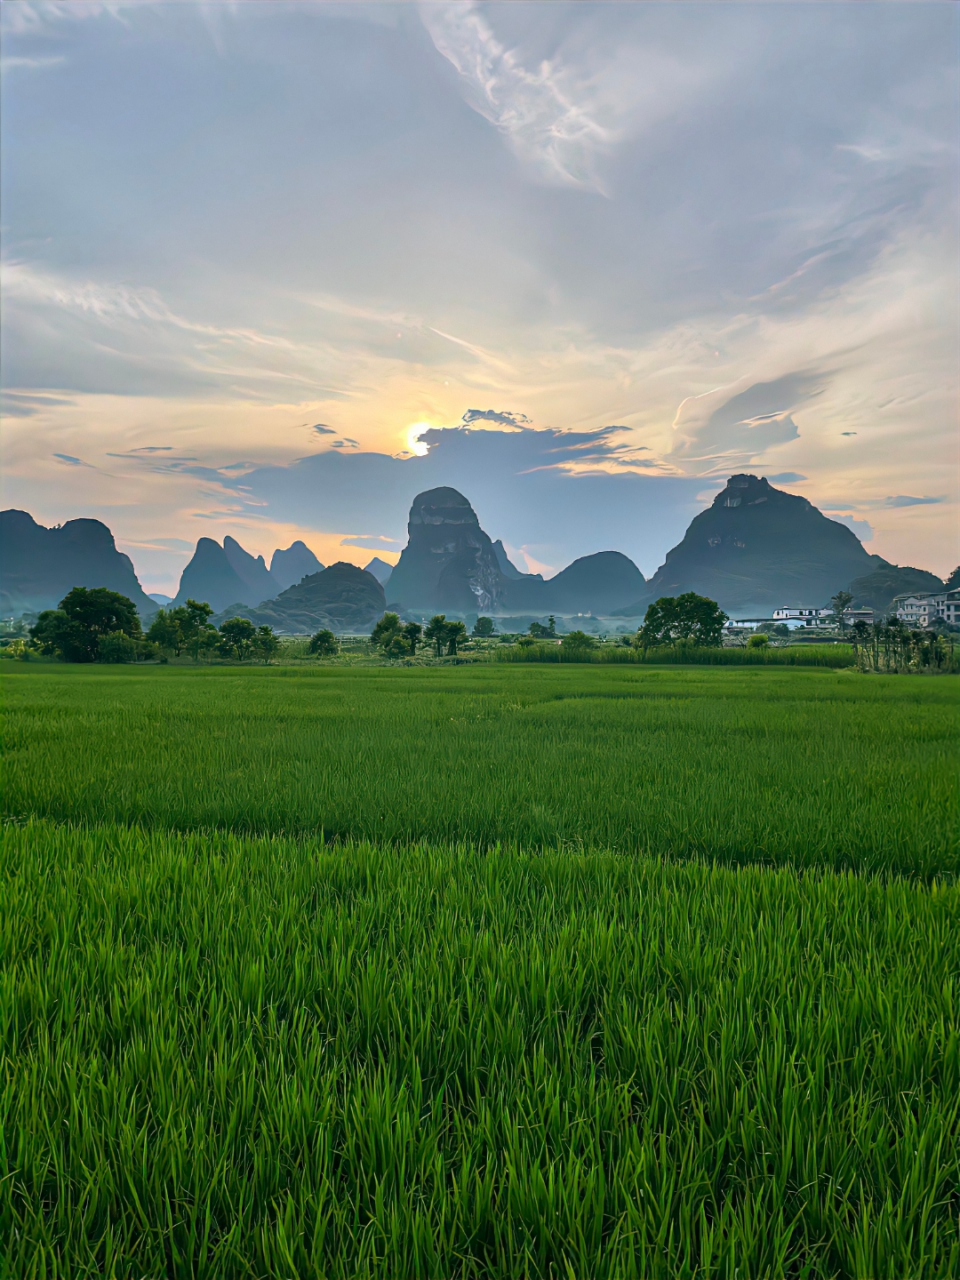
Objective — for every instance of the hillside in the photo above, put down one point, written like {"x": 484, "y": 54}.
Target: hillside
{"x": 40, "y": 565}
{"x": 341, "y": 598}
{"x": 756, "y": 548}
{"x": 596, "y": 584}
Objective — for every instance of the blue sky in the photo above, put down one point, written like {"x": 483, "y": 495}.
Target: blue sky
{"x": 270, "y": 270}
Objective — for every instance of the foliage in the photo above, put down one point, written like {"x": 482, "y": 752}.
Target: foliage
{"x": 758, "y": 641}
{"x": 781, "y": 630}
{"x": 456, "y": 634}
{"x": 840, "y": 603}
{"x": 236, "y": 638}
{"x": 230, "y": 1056}
{"x": 413, "y": 633}
{"x": 84, "y": 616}
{"x": 324, "y": 644}
{"x": 265, "y": 643}
{"x": 483, "y": 627}
{"x": 687, "y": 618}
{"x": 541, "y": 632}
{"x": 953, "y": 582}
{"x": 165, "y": 631}
{"x": 437, "y": 631}
{"x": 385, "y": 630}
{"x": 577, "y": 642}
{"x": 117, "y": 647}
{"x": 892, "y": 647}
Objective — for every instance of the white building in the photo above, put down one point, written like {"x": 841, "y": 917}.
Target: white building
{"x": 819, "y": 617}
{"x": 923, "y": 610}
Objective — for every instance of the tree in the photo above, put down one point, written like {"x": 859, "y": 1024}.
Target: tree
{"x": 686, "y": 619}
{"x": 117, "y": 646}
{"x": 193, "y": 618}
{"x": 236, "y": 638}
{"x": 436, "y": 632}
{"x": 324, "y": 644}
{"x": 456, "y": 634}
{"x": 265, "y": 644}
{"x": 841, "y": 602}
{"x": 413, "y": 633}
{"x": 577, "y": 643}
{"x": 483, "y": 627}
{"x": 758, "y": 641}
{"x": 385, "y": 630}
{"x": 780, "y": 629}
{"x": 165, "y": 631}
{"x": 953, "y": 582}
{"x": 399, "y": 646}
{"x": 85, "y": 615}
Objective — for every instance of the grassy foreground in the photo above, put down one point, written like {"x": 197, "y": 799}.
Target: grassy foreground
{"x": 230, "y": 1053}
{"x": 806, "y": 767}
{"x": 229, "y": 1057}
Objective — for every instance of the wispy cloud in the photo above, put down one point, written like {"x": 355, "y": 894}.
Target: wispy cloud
{"x": 905, "y": 500}
{"x": 539, "y": 111}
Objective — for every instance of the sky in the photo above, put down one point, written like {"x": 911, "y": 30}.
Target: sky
{"x": 270, "y": 270}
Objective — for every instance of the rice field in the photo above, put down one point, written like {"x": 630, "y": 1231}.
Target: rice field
{"x": 479, "y": 972}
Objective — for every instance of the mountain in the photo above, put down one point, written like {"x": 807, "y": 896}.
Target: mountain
{"x": 296, "y": 562}
{"x": 225, "y": 575}
{"x": 159, "y": 598}
{"x": 449, "y": 562}
{"x": 40, "y": 565}
{"x": 755, "y": 548}
{"x": 380, "y": 570}
{"x": 877, "y": 589}
{"x": 508, "y": 568}
{"x": 340, "y": 598}
{"x": 596, "y": 584}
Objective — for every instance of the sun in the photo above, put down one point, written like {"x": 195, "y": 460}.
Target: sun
{"x": 414, "y": 443}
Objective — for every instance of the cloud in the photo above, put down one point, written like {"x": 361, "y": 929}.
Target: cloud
{"x": 904, "y": 500}
{"x": 861, "y": 528}
{"x": 729, "y": 427}
{"x": 542, "y": 113}
{"x": 556, "y": 494}
{"x": 373, "y": 542}
{"x": 786, "y": 477}
{"x": 493, "y": 415}
{"x": 13, "y": 62}
{"x": 73, "y": 462}
{"x": 323, "y": 430}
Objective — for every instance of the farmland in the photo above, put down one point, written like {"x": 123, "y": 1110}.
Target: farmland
{"x": 500, "y": 971}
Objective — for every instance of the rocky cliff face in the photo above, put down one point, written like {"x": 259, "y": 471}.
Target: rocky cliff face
{"x": 757, "y": 547}
{"x": 449, "y": 563}
{"x": 288, "y": 567}
{"x": 341, "y": 598}
{"x": 380, "y": 570}
{"x": 225, "y": 575}
{"x": 40, "y": 565}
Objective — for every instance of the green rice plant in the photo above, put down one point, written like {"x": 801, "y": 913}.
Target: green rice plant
{"x": 225, "y": 1056}
{"x": 777, "y": 765}
{"x": 806, "y": 655}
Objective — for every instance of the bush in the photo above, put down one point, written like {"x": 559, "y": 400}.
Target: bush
{"x": 758, "y": 641}
{"x": 117, "y": 647}
{"x": 324, "y": 644}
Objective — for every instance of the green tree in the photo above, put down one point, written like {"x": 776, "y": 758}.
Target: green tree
{"x": 576, "y": 643}
{"x": 399, "y": 646}
{"x": 193, "y": 619}
{"x": 685, "y": 619}
{"x": 265, "y": 644}
{"x": 385, "y": 630}
{"x": 324, "y": 644}
{"x": 456, "y": 635}
{"x": 74, "y": 630}
{"x": 840, "y": 603}
{"x": 758, "y": 641}
{"x": 413, "y": 634}
{"x": 236, "y": 638}
{"x": 953, "y": 582}
{"x": 165, "y": 631}
{"x": 483, "y": 627}
{"x": 117, "y": 646}
{"x": 436, "y": 632}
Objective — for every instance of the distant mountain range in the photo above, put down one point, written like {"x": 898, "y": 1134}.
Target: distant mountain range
{"x": 753, "y": 549}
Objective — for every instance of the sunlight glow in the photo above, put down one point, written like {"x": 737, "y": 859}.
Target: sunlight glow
{"x": 414, "y": 443}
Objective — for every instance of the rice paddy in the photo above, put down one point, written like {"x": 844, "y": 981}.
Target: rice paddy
{"x": 496, "y": 971}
